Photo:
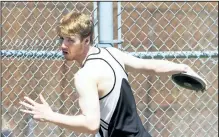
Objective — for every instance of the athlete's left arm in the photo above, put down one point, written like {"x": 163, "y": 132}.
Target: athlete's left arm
{"x": 87, "y": 122}
{"x": 151, "y": 66}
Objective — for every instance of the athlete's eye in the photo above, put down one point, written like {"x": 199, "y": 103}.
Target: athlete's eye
{"x": 70, "y": 40}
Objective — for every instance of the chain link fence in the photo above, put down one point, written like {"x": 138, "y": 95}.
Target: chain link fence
{"x": 164, "y": 108}
{"x": 30, "y": 26}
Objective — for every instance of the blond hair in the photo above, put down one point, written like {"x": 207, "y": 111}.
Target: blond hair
{"x": 76, "y": 23}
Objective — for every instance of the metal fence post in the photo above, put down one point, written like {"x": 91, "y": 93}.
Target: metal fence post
{"x": 105, "y": 24}
{"x": 119, "y": 28}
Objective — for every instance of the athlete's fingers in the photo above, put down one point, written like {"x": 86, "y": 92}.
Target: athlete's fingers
{"x": 27, "y": 111}
{"x": 42, "y": 99}
{"x": 32, "y": 102}
{"x": 27, "y": 105}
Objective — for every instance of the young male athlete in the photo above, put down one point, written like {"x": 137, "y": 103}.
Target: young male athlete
{"x": 105, "y": 96}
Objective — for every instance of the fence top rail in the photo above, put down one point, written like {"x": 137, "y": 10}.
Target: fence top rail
{"x": 34, "y": 54}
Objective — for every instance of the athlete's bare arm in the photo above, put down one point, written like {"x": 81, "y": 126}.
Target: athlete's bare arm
{"x": 151, "y": 66}
{"x": 87, "y": 122}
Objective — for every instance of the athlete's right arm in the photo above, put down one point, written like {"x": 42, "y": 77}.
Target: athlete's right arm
{"x": 151, "y": 66}
{"x": 89, "y": 120}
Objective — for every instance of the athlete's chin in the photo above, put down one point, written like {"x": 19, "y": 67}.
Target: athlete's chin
{"x": 69, "y": 58}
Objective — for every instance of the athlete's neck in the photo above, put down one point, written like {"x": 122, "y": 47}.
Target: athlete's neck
{"x": 87, "y": 51}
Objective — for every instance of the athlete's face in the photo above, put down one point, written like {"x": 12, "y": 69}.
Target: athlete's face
{"x": 72, "y": 47}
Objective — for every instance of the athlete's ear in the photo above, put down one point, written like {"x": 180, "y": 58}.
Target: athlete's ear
{"x": 87, "y": 40}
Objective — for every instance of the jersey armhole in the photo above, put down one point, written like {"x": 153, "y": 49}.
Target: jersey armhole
{"x": 89, "y": 59}
{"x": 117, "y": 61}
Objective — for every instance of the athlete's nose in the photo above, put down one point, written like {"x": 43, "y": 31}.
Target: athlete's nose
{"x": 63, "y": 46}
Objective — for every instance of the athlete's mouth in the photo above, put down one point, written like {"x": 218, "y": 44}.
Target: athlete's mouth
{"x": 65, "y": 52}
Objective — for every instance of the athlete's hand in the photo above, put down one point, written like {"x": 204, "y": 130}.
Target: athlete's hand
{"x": 186, "y": 69}
{"x": 40, "y": 112}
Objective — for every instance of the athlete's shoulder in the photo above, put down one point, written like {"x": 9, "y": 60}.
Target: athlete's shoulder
{"x": 86, "y": 71}
{"x": 115, "y": 52}
{"x": 112, "y": 49}
{"x": 91, "y": 70}
{"x": 84, "y": 75}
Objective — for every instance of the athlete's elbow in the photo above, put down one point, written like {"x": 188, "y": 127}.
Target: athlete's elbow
{"x": 93, "y": 126}
{"x": 93, "y": 130}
